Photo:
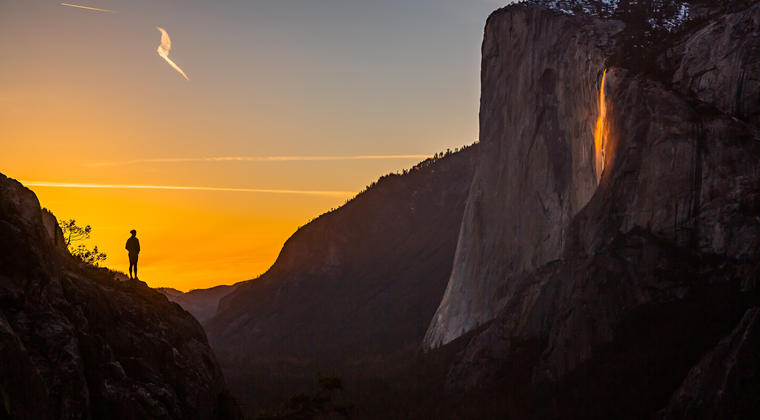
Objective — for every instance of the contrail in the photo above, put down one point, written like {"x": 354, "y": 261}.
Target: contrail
{"x": 88, "y": 8}
{"x": 164, "y": 48}
{"x": 259, "y": 159}
{"x": 184, "y": 188}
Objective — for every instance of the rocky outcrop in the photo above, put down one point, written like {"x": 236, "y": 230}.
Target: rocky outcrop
{"x": 351, "y": 292}
{"x": 202, "y": 303}
{"x": 719, "y": 64}
{"x": 75, "y": 343}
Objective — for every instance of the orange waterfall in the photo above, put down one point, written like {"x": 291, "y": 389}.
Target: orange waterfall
{"x": 600, "y": 134}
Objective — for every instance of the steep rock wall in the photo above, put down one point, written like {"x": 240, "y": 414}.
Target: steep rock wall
{"x": 720, "y": 64}
{"x": 541, "y": 77}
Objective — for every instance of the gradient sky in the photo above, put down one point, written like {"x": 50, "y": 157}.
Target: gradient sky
{"x": 86, "y": 99}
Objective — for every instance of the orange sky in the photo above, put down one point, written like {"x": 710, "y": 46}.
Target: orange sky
{"x": 267, "y": 79}
{"x": 189, "y": 239}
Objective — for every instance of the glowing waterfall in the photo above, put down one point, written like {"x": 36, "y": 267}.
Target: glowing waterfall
{"x": 600, "y": 134}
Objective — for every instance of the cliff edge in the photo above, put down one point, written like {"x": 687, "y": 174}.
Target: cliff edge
{"x": 77, "y": 343}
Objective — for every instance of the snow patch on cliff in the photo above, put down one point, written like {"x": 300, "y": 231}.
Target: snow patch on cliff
{"x": 668, "y": 15}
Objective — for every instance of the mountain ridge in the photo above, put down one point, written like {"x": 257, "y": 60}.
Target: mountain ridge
{"x": 367, "y": 275}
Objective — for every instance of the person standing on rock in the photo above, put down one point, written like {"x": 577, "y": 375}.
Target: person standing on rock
{"x": 133, "y": 247}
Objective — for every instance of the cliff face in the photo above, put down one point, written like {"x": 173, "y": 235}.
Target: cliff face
{"x": 76, "y": 343}
{"x": 537, "y": 167}
{"x": 351, "y": 292}
{"x": 600, "y": 298}
{"x": 658, "y": 174}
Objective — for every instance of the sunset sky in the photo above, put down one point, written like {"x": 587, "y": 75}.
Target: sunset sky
{"x": 305, "y": 102}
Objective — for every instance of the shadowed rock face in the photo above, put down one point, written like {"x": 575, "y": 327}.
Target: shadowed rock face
{"x": 724, "y": 382}
{"x": 76, "y": 343}
{"x": 719, "y": 64}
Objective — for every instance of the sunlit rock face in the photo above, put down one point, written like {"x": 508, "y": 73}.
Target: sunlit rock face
{"x": 76, "y": 343}
{"x": 541, "y": 78}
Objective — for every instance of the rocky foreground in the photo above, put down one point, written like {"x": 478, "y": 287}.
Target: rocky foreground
{"x": 75, "y": 343}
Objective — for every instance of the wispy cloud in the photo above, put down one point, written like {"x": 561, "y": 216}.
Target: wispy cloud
{"x": 94, "y": 9}
{"x": 187, "y": 188}
{"x": 164, "y": 48}
{"x": 258, "y": 159}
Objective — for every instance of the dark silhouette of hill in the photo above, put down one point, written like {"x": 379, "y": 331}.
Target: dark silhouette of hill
{"x": 75, "y": 342}
{"x": 352, "y": 291}
{"x": 202, "y": 303}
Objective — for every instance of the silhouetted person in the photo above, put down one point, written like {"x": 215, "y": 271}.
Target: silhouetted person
{"x": 133, "y": 247}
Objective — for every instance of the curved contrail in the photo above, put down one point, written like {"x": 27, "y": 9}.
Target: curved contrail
{"x": 164, "y": 48}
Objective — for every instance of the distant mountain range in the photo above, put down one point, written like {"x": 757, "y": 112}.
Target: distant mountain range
{"x": 202, "y": 303}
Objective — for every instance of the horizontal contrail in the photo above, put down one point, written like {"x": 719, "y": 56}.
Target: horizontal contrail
{"x": 88, "y": 8}
{"x": 184, "y": 188}
{"x": 259, "y": 159}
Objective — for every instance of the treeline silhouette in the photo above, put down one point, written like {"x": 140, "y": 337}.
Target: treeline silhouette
{"x": 352, "y": 292}
{"x": 326, "y": 400}
{"x": 414, "y": 169}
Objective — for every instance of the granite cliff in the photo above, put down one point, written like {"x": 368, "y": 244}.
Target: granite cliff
{"x": 75, "y": 342}
{"x": 537, "y": 166}
{"x": 607, "y": 261}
